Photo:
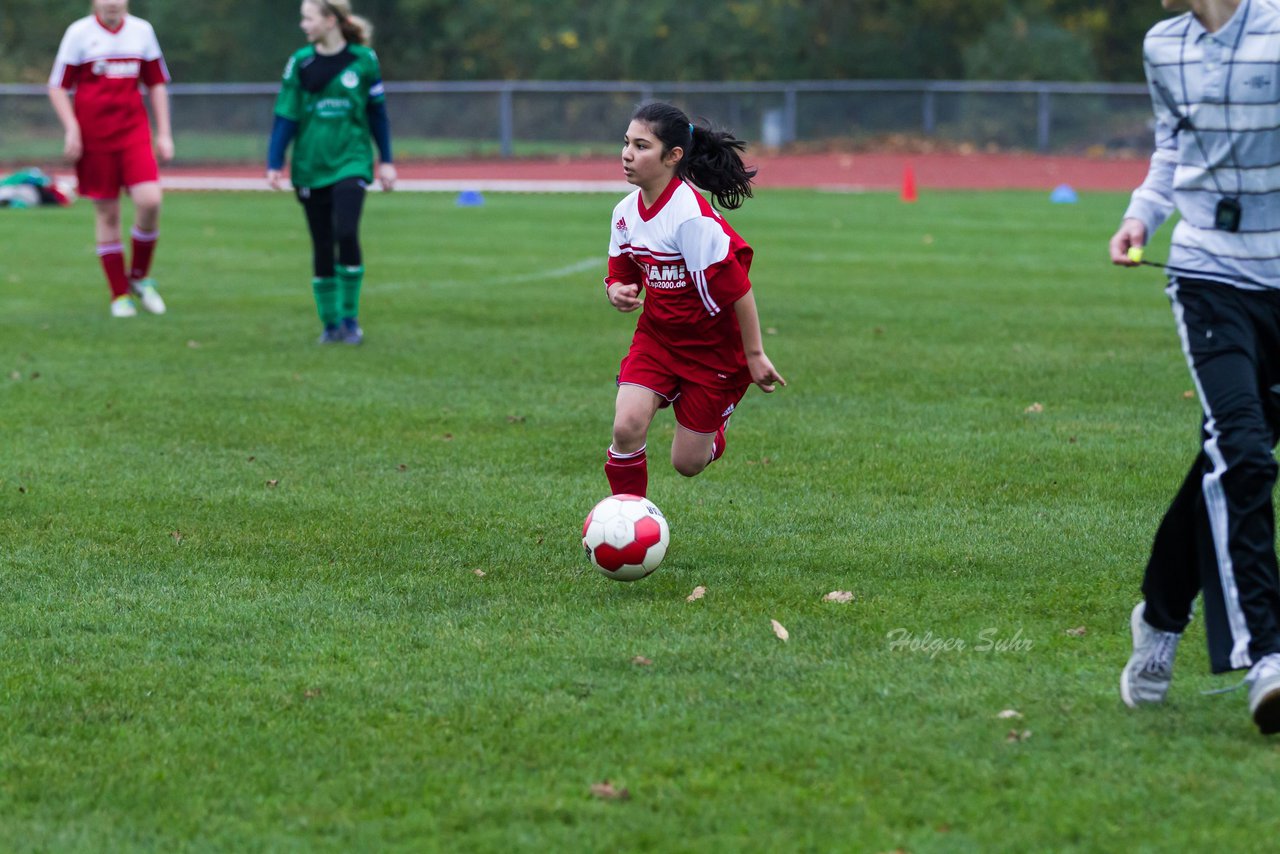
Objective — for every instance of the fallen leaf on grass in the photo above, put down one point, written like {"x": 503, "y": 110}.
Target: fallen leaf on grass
{"x": 403, "y": 467}
{"x": 177, "y": 536}
{"x": 272, "y": 483}
{"x": 479, "y": 573}
{"x": 780, "y": 630}
{"x": 1034, "y": 408}
{"x": 1016, "y": 736}
{"x": 641, "y": 661}
{"x": 1009, "y": 713}
{"x": 311, "y": 693}
{"x": 1077, "y": 632}
{"x": 838, "y": 596}
{"x": 609, "y": 792}
{"x": 194, "y": 345}
{"x": 698, "y": 593}
{"x": 1187, "y": 395}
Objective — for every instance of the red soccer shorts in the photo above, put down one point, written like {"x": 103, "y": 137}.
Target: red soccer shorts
{"x": 102, "y": 174}
{"x": 700, "y": 408}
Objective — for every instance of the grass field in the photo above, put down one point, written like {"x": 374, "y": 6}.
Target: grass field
{"x": 243, "y": 607}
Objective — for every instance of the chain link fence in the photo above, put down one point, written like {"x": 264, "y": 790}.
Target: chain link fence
{"x": 229, "y": 123}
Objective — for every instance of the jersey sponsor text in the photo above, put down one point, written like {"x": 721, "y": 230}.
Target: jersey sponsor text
{"x": 667, "y": 276}
{"x": 118, "y": 68}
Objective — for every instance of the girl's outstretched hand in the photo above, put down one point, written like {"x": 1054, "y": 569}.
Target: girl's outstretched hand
{"x": 763, "y": 373}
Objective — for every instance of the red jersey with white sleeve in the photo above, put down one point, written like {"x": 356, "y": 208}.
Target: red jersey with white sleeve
{"x": 104, "y": 67}
{"x": 693, "y": 267}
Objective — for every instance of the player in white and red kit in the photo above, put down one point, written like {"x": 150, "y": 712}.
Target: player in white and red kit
{"x": 104, "y": 58}
{"x": 697, "y": 346}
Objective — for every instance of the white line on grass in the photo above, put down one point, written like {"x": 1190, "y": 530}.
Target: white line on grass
{"x": 540, "y": 276}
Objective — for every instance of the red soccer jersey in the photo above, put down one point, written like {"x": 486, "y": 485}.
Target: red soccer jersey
{"x": 104, "y": 68}
{"x": 693, "y": 267}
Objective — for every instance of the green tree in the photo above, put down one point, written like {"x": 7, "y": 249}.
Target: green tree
{"x": 1023, "y": 46}
{"x": 248, "y": 40}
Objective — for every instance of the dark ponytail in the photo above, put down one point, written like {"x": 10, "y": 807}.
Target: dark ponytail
{"x": 712, "y": 158}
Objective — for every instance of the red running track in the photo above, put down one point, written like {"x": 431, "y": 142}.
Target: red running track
{"x": 867, "y": 171}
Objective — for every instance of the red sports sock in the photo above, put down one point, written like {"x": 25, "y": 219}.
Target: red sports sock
{"x": 112, "y": 257}
{"x": 628, "y": 474}
{"x": 144, "y": 246}
{"x": 717, "y": 444}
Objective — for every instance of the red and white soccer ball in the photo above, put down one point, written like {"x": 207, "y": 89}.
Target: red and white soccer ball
{"x": 625, "y": 537}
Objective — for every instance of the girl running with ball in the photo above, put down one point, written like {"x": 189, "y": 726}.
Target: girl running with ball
{"x": 697, "y": 345}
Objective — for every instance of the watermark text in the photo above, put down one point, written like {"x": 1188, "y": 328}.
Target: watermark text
{"x": 990, "y": 639}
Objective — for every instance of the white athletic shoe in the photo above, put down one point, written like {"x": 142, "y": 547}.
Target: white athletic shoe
{"x": 122, "y": 306}
{"x": 145, "y": 290}
{"x": 1264, "y": 693}
{"x": 1146, "y": 678}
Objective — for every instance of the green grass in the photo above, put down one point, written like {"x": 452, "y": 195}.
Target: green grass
{"x": 194, "y": 659}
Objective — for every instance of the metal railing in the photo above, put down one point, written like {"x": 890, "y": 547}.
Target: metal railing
{"x": 510, "y": 117}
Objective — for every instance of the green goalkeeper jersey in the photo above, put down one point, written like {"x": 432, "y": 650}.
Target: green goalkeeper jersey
{"x": 329, "y": 98}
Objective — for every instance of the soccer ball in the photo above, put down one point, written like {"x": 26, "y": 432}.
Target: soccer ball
{"x": 625, "y": 537}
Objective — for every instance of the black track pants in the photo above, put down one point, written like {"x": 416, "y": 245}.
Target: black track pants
{"x": 1218, "y": 535}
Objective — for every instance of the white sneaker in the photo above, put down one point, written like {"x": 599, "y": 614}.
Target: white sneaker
{"x": 122, "y": 306}
{"x": 1146, "y": 678}
{"x": 1264, "y": 693}
{"x": 145, "y": 290}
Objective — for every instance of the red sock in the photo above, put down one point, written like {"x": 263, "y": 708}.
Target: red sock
{"x": 144, "y": 246}
{"x": 628, "y": 473}
{"x": 717, "y": 444}
{"x": 112, "y": 257}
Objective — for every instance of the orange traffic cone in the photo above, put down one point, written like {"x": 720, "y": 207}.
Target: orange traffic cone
{"x": 908, "y": 184}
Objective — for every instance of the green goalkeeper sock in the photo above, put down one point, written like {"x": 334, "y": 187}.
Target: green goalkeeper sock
{"x": 350, "y": 279}
{"x": 326, "y": 293}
